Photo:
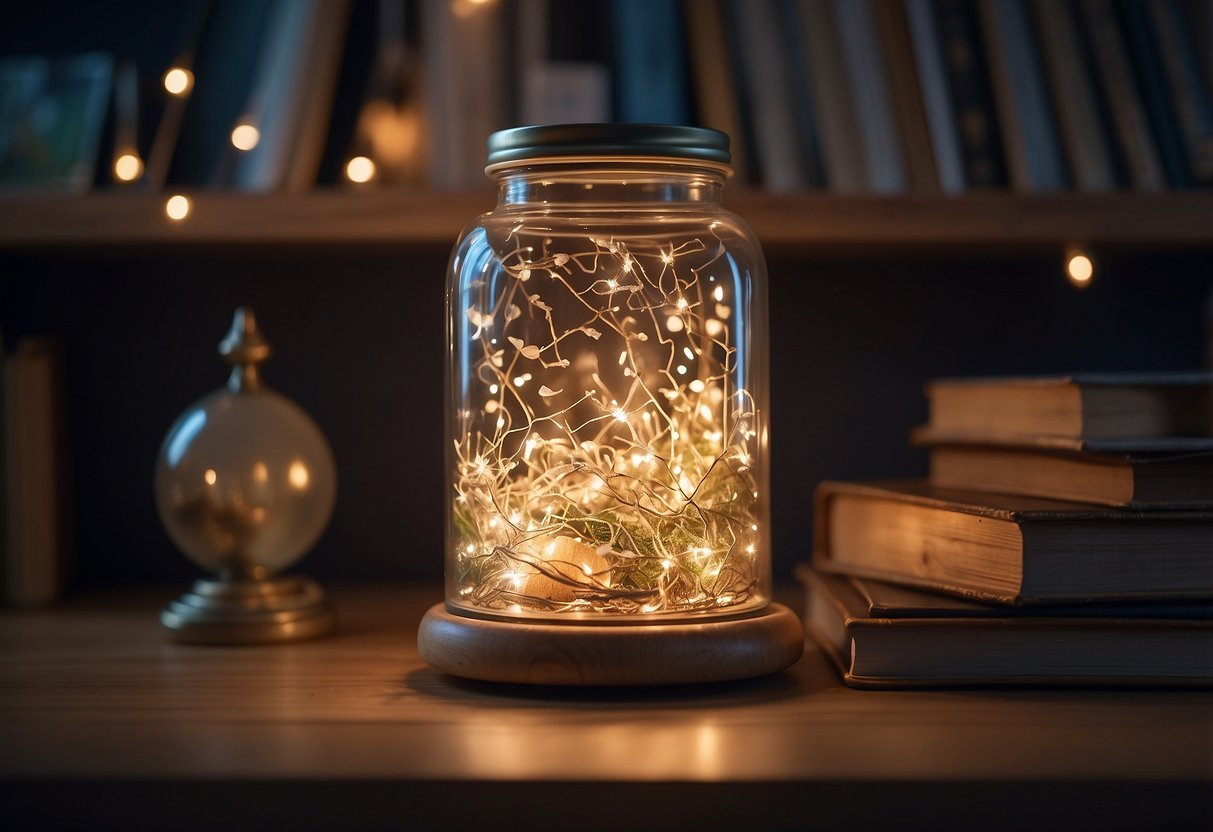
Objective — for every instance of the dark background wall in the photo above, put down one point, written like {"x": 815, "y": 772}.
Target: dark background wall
{"x": 358, "y": 334}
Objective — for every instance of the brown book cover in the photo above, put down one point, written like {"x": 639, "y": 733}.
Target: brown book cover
{"x": 944, "y": 644}
{"x": 1135, "y": 406}
{"x": 1132, "y": 480}
{"x": 1011, "y": 549}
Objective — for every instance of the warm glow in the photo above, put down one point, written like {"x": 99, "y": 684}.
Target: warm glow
{"x": 625, "y": 487}
{"x": 360, "y": 169}
{"x": 245, "y": 137}
{"x": 210, "y": 476}
{"x": 178, "y": 81}
{"x": 260, "y": 472}
{"x": 128, "y": 167}
{"x": 177, "y": 207}
{"x": 463, "y": 8}
{"x": 1079, "y": 268}
{"x": 298, "y": 475}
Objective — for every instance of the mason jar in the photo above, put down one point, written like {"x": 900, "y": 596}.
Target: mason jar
{"x": 607, "y": 393}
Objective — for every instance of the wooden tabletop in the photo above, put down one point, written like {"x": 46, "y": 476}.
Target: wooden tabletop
{"x": 105, "y": 724}
{"x": 995, "y": 221}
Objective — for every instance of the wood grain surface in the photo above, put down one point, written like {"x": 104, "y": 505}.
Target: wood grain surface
{"x": 998, "y": 221}
{"x": 611, "y": 655}
{"x": 104, "y": 722}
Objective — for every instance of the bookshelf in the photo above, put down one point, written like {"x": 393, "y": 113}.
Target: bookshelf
{"x": 806, "y": 222}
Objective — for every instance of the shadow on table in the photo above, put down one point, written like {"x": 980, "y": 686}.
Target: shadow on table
{"x": 809, "y": 675}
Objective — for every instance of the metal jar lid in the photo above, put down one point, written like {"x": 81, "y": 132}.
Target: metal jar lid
{"x": 661, "y": 141}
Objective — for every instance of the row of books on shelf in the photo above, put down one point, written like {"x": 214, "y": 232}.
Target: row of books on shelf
{"x": 847, "y": 96}
{"x": 889, "y": 96}
{"x": 857, "y": 96}
{"x": 1064, "y": 536}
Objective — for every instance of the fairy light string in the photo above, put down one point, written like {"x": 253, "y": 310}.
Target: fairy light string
{"x": 608, "y": 466}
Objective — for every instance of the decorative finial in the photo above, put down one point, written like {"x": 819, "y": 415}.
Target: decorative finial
{"x": 245, "y": 484}
{"x": 244, "y": 347}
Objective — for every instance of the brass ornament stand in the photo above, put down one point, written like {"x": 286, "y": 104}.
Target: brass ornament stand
{"x": 236, "y": 611}
{"x": 245, "y": 484}
{"x": 611, "y": 654}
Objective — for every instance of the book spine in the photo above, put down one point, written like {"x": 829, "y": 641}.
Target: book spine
{"x": 276, "y": 101}
{"x": 805, "y": 108}
{"x": 466, "y": 88}
{"x": 33, "y": 506}
{"x": 1198, "y": 15}
{"x": 870, "y": 91}
{"x": 650, "y": 68}
{"x": 232, "y": 45}
{"x": 937, "y": 102}
{"x": 316, "y": 86}
{"x": 1029, "y": 131}
{"x": 1152, "y": 81}
{"x": 841, "y": 149}
{"x": 9, "y": 507}
{"x": 1188, "y": 92}
{"x": 554, "y": 88}
{"x": 970, "y": 89}
{"x": 714, "y": 66}
{"x": 1120, "y": 91}
{"x": 906, "y": 90}
{"x": 1078, "y": 117}
{"x": 441, "y": 125}
{"x": 770, "y": 96}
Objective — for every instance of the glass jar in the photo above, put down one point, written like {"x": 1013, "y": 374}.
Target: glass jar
{"x": 607, "y": 389}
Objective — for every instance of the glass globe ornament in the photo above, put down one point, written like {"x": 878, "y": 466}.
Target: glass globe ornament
{"x": 245, "y": 484}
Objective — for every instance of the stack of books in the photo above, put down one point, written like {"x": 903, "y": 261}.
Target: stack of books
{"x": 1064, "y": 536}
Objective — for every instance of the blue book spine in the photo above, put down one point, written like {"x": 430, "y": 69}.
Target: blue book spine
{"x": 651, "y": 84}
{"x": 1152, "y": 81}
{"x": 969, "y": 83}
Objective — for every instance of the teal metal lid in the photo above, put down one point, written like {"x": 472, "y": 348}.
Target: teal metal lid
{"x": 671, "y": 141}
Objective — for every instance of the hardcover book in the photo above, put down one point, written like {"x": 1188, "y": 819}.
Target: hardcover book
{"x": 936, "y": 98}
{"x": 1094, "y": 405}
{"x": 1011, "y": 549}
{"x": 1115, "y": 74}
{"x": 874, "y": 110}
{"x": 881, "y": 636}
{"x": 969, "y": 85}
{"x": 1078, "y": 116}
{"x": 841, "y": 148}
{"x": 1030, "y": 137}
{"x": 1129, "y": 480}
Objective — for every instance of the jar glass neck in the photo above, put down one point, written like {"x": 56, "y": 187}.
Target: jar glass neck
{"x": 612, "y": 183}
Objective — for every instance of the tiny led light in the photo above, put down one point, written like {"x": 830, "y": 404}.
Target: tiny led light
{"x": 1079, "y": 268}
{"x": 298, "y": 475}
{"x": 178, "y": 81}
{"x": 177, "y": 207}
{"x": 245, "y": 136}
{"x": 654, "y": 446}
{"x": 128, "y": 167}
{"x": 360, "y": 169}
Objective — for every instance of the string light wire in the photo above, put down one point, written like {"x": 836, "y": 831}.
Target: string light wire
{"x": 632, "y": 497}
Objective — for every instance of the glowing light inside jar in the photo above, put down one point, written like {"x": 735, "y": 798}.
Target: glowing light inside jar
{"x": 609, "y": 467}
